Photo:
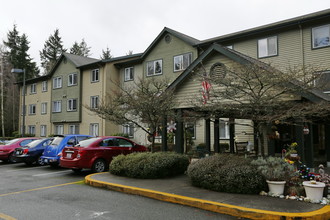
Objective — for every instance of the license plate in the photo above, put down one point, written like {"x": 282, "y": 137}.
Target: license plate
{"x": 68, "y": 155}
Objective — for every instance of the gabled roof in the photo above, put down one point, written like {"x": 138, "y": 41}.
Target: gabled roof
{"x": 325, "y": 14}
{"x": 313, "y": 95}
{"x": 77, "y": 61}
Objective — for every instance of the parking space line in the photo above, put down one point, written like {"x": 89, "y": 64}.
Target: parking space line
{"x": 6, "y": 217}
{"x": 45, "y": 174}
{"x": 20, "y": 169}
{"x": 41, "y": 188}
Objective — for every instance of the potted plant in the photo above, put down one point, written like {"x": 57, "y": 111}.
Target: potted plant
{"x": 276, "y": 172}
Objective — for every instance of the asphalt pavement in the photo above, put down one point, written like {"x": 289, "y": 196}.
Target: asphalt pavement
{"x": 179, "y": 190}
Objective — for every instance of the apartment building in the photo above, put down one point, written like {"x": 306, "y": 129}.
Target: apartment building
{"x": 299, "y": 41}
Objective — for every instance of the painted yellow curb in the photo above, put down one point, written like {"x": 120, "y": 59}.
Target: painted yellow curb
{"x": 321, "y": 214}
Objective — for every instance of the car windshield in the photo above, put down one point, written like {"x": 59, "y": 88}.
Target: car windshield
{"x": 56, "y": 141}
{"x": 34, "y": 143}
{"x": 12, "y": 141}
{"x": 87, "y": 142}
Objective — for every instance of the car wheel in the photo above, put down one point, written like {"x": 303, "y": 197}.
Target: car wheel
{"x": 40, "y": 161}
{"x": 11, "y": 158}
{"x": 76, "y": 170}
{"x": 99, "y": 166}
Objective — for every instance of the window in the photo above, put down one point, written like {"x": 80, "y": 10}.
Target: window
{"x": 33, "y": 88}
{"x": 129, "y": 73}
{"x": 72, "y": 79}
{"x": 267, "y": 47}
{"x": 59, "y": 129}
{"x": 181, "y": 62}
{"x": 57, "y": 106}
{"x": 224, "y": 129}
{"x": 94, "y": 102}
{"x": 95, "y": 75}
{"x": 43, "y": 130}
{"x": 128, "y": 129}
{"x": 44, "y": 86}
{"x": 94, "y": 129}
{"x": 73, "y": 129}
{"x": 44, "y": 108}
{"x": 154, "y": 68}
{"x": 57, "y": 82}
{"x": 32, "y": 109}
{"x": 124, "y": 143}
{"x": 72, "y": 105}
{"x": 32, "y": 129}
{"x": 190, "y": 130}
{"x": 321, "y": 36}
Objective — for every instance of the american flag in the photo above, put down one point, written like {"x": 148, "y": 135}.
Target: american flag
{"x": 205, "y": 91}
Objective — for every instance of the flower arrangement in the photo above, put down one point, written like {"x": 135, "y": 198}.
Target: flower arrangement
{"x": 291, "y": 155}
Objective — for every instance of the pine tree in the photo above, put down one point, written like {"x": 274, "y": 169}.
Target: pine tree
{"x": 17, "y": 54}
{"x": 80, "y": 49}
{"x": 53, "y": 48}
{"x": 106, "y": 54}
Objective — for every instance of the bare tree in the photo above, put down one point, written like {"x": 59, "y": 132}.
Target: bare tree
{"x": 143, "y": 103}
{"x": 263, "y": 94}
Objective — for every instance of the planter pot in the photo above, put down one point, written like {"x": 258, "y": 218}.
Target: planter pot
{"x": 276, "y": 187}
{"x": 314, "y": 191}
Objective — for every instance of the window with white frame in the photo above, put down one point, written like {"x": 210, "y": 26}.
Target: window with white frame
{"x": 32, "y": 129}
{"x": 95, "y": 75}
{"x": 43, "y": 130}
{"x": 73, "y": 129}
{"x": 154, "y": 67}
{"x": 32, "y": 109}
{"x": 44, "y": 86}
{"x": 267, "y": 47}
{"x": 57, "y": 106}
{"x": 59, "y": 129}
{"x": 181, "y": 62}
{"x": 72, "y": 105}
{"x": 128, "y": 129}
{"x": 33, "y": 88}
{"x": 321, "y": 36}
{"x": 224, "y": 129}
{"x": 129, "y": 73}
{"x": 72, "y": 79}
{"x": 57, "y": 82}
{"x": 44, "y": 108}
{"x": 94, "y": 102}
{"x": 94, "y": 129}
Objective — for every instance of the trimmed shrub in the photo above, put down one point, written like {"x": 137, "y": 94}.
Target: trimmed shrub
{"x": 226, "y": 173}
{"x": 149, "y": 165}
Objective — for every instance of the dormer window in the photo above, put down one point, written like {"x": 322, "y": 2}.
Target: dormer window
{"x": 154, "y": 67}
{"x": 321, "y": 36}
{"x": 267, "y": 47}
{"x": 181, "y": 62}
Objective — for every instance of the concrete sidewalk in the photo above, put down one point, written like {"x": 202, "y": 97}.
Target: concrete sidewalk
{"x": 179, "y": 190}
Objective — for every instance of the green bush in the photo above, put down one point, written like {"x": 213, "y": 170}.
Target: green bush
{"x": 121, "y": 135}
{"x": 149, "y": 165}
{"x": 226, "y": 173}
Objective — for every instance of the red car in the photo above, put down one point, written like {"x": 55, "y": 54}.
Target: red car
{"x": 7, "y": 150}
{"x": 97, "y": 153}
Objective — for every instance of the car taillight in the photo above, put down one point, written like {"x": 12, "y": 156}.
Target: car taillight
{"x": 80, "y": 153}
{"x": 25, "y": 151}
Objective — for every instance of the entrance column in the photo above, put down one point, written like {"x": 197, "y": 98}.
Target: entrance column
{"x": 164, "y": 134}
{"x": 217, "y": 135}
{"x": 327, "y": 143}
{"x": 179, "y": 133}
{"x": 309, "y": 147}
{"x": 298, "y": 134}
{"x": 232, "y": 135}
{"x": 208, "y": 134}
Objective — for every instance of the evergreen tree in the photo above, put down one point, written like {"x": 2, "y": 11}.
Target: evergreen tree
{"x": 53, "y": 48}
{"x": 80, "y": 49}
{"x": 17, "y": 54}
{"x": 106, "y": 54}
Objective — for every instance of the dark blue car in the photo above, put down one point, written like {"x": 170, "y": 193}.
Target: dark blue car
{"x": 31, "y": 153}
{"x": 51, "y": 154}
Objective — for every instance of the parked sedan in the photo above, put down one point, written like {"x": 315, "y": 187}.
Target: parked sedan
{"x": 97, "y": 153}
{"x": 31, "y": 153}
{"x": 7, "y": 150}
{"x": 51, "y": 154}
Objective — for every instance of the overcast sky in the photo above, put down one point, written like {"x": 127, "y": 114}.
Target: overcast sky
{"x": 124, "y": 25}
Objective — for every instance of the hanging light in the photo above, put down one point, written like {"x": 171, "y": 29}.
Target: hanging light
{"x": 306, "y": 130}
